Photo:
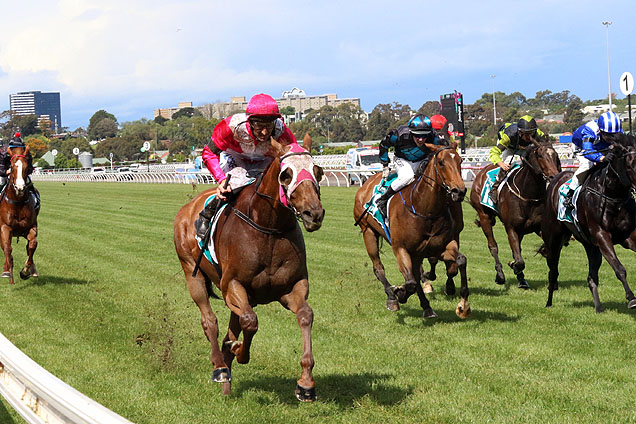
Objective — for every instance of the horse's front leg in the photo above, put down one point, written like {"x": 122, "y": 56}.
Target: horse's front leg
{"x": 486, "y": 223}
{"x": 411, "y": 272}
{"x": 296, "y": 301}
{"x": 200, "y": 295}
{"x": 517, "y": 264}
{"x": 455, "y": 261}
{"x": 427, "y": 277}
{"x": 5, "y": 239}
{"x": 371, "y": 242}
{"x": 594, "y": 259}
{"x": 237, "y": 300}
{"x": 424, "y": 303}
{"x": 29, "y": 269}
{"x": 607, "y": 250}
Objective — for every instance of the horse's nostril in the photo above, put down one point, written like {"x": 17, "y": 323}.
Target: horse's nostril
{"x": 307, "y": 214}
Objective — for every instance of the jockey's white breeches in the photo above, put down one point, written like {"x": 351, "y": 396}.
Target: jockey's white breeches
{"x": 405, "y": 173}
{"x": 242, "y": 171}
{"x": 579, "y": 176}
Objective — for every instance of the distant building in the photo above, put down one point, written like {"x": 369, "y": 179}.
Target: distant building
{"x": 295, "y": 98}
{"x": 597, "y": 109}
{"x": 44, "y": 105}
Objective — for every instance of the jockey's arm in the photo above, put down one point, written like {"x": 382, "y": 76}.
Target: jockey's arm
{"x": 589, "y": 152}
{"x": 386, "y": 143}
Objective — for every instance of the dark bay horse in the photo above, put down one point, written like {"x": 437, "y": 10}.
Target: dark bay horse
{"x": 18, "y": 215}
{"x": 261, "y": 255}
{"x": 607, "y": 216}
{"x": 520, "y": 204}
{"x": 423, "y": 225}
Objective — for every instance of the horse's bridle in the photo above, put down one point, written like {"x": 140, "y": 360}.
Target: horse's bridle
{"x": 437, "y": 173}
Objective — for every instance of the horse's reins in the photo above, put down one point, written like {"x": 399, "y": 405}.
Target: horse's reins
{"x": 4, "y": 192}
{"x": 514, "y": 189}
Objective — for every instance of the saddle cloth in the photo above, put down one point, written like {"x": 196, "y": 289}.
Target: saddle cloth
{"x": 565, "y": 214}
{"x": 491, "y": 177}
{"x": 372, "y": 207}
{"x": 209, "y": 252}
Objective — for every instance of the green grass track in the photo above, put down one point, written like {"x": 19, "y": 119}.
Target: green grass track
{"x": 111, "y": 316}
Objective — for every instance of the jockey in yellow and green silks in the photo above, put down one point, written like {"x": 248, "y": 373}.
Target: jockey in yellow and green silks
{"x": 512, "y": 140}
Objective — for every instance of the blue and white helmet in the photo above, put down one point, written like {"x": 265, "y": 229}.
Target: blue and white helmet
{"x": 609, "y": 122}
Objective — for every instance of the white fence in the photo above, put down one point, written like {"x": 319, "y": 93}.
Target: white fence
{"x": 41, "y": 398}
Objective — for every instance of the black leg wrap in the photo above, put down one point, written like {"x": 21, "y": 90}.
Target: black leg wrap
{"x": 305, "y": 394}
{"x": 221, "y": 375}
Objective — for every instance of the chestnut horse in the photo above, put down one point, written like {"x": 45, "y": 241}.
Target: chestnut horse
{"x": 18, "y": 215}
{"x": 261, "y": 258}
{"x": 423, "y": 225}
{"x": 520, "y": 204}
{"x": 606, "y": 214}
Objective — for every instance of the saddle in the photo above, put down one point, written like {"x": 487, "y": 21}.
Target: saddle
{"x": 491, "y": 177}
{"x": 371, "y": 206}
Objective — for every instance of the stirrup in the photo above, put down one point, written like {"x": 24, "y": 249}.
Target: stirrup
{"x": 201, "y": 225}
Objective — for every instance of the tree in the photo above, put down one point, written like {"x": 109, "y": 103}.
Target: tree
{"x": 44, "y": 125}
{"x": 430, "y": 108}
{"x": 573, "y": 117}
{"x": 37, "y": 145}
{"x": 385, "y": 117}
{"x": 95, "y": 120}
{"x": 104, "y": 128}
{"x": 288, "y": 110}
{"x": 188, "y": 112}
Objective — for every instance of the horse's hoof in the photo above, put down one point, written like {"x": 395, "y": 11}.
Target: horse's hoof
{"x": 429, "y": 313}
{"x": 221, "y": 375}
{"x": 500, "y": 279}
{"x": 25, "y": 275}
{"x": 305, "y": 394}
{"x": 392, "y": 305}
{"x": 631, "y": 304}
{"x": 400, "y": 293}
{"x": 227, "y": 388}
{"x": 6, "y": 274}
{"x": 523, "y": 284}
{"x": 427, "y": 287}
{"x": 462, "y": 312}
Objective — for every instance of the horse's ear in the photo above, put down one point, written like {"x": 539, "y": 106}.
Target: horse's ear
{"x": 26, "y": 151}
{"x": 318, "y": 173}
{"x": 277, "y": 149}
{"x": 433, "y": 147}
{"x": 307, "y": 141}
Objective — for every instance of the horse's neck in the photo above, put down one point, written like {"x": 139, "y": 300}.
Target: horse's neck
{"x": 608, "y": 182}
{"x": 528, "y": 181}
{"x": 428, "y": 196}
{"x": 265, "y": 206}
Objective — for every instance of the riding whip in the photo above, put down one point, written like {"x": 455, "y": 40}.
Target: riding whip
{"x": 206, "y": 238}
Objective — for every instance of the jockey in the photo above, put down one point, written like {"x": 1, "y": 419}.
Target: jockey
{"x": 440, "y": 123}
{"x": 590, "y": 141}
{"x": 512, "y": 140}
{"x": 410, "y": 151}
{"x": 238, "y": 147}
{"x": 5, "y": 161}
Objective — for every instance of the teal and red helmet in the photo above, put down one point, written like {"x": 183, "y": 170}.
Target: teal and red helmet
{"x": 420, "y": 125}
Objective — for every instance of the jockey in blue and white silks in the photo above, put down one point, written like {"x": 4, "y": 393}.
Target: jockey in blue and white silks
{"x": 408, "y": 141}
{"x": 591, "y": 141}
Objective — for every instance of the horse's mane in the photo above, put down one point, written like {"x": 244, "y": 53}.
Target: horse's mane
{"x": 625, "y": 140}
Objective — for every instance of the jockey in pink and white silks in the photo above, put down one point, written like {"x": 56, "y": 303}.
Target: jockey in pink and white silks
{"x": 238, "y": 147}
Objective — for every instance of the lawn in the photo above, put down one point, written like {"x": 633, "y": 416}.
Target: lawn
{"x": 111, "y": 316}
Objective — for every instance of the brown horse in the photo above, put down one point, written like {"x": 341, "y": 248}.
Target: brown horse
{"x": 423, "y": 225}
{"x": 18, "y": 215}
{"x": 261, "y": 258}
{"x": 606, "y": 214}
{"x": 520, "y": 204}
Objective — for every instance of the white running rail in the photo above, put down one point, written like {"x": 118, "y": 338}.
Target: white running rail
{"x": 41, "y": 398}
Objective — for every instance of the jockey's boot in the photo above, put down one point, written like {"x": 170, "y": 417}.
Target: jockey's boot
{"x": 382, "y": 201}
{"x": 203, "y": 221}
{"x": 495, "y": 187}
{"x": 567, "y": 202}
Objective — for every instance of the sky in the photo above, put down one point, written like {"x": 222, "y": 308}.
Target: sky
{"x": 130, "y": 57}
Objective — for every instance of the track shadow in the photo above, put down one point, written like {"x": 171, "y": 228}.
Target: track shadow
{"x": 448, "y": 316}
{"x": 339, "y": 389}
{"x": 618, "y": 307}
{"x": 44, "y": 280}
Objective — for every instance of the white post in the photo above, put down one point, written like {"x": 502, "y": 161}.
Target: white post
{"x": 494, "y": 103}
{"x": 609, "y": 81}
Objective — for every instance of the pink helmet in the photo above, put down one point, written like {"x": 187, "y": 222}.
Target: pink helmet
{"x": 262, "y": 105}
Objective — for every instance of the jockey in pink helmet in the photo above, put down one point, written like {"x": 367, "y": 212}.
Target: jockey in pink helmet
{"x": 238, "y": 147}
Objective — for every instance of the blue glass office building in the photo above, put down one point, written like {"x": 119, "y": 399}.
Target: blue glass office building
{"x": 40, "y": 104}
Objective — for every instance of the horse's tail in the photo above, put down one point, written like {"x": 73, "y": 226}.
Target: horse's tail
{"x": 543, "y": 250}
{"x": 477, "y": 223}
{"x": 209, "y": 286}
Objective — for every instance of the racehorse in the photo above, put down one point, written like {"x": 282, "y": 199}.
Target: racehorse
{"x": 261, "y": 258}
{"x": 18, "y": 215}
{"x": 422, "y": 225}
{"x": 606, "y": 213}
{"x": 520, "y": 203}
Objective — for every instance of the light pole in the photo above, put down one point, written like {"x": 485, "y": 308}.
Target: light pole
{"x": 609, "y": 81}
{"x": 494, "y": 103}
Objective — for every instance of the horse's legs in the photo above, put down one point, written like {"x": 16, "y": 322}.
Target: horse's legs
{"x": 296, "y": 301}
{"x": 517, "y": 264}
{"x": 455, "y": 261}
{"x": 486, "y": 223}
{"x": 371, "y": 240}
{"x": 594, "y": 259}
{"x": 233, "y": 332}
{"x": 236, "y": 299}
{"x": 607, "y": 249}
{"x": 424, "y": 303}
{"x": 29, "y": 269}
{"x": 199, "y": 293}
{"x": 405, "y": 265}
{"x": 5, "y": 239}
{"x": 427, "y": 277}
